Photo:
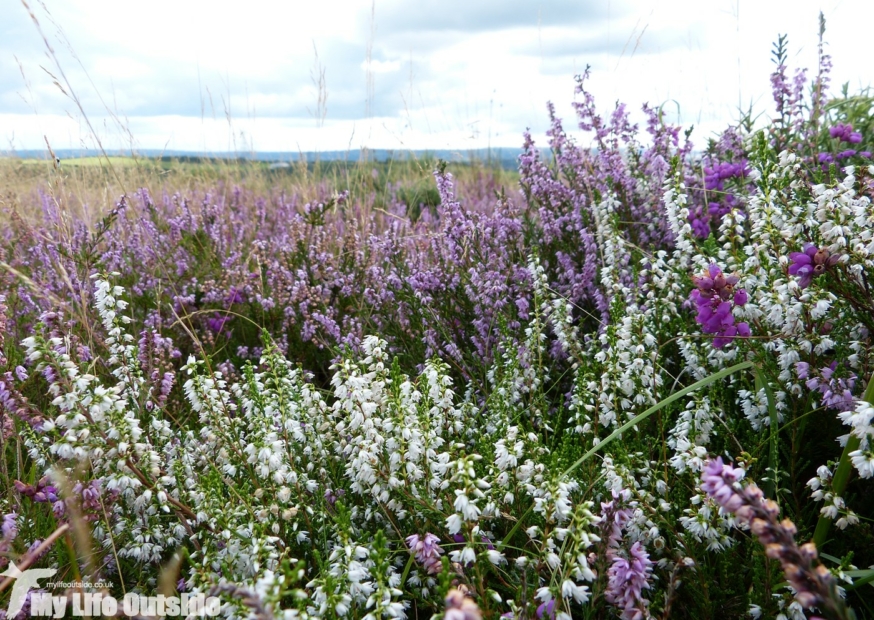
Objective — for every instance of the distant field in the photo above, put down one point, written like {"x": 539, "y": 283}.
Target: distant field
{"x": 85, "y": 161}
{"x": 91, "y": 185}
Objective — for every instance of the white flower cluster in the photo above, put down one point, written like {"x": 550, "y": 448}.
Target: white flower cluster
{"x": 267, "y": 471}
{"x": 861, "y": 421}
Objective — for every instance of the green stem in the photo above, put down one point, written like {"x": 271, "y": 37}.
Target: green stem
{"x": 842, "y": 474}
{"x": 770, "y": 487}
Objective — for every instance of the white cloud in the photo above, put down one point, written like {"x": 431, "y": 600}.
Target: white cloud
{"x": 456, "y": 74}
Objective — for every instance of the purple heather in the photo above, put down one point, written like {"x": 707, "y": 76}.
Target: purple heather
{"x": 546, "y": 610}
{"x": 627, "y": 577}
{"x": 845, "y": 133}
{"x": 810, "y": 263}
{"x": 713, "y": 291}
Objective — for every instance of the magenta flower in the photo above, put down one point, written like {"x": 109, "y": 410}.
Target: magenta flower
{"x": 810, "y": 263}
{"x": 713, "y": 291}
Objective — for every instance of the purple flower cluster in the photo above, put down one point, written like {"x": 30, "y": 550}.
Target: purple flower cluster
{"x": 813, "y": 585}
{"x": 714, "y": 298}
{"x": 8, "y": 530}
{"x": 827, "y": 158}
{"x": 837, "y": 392}
{"x": 43, "y": 492}
{"x": 92, "y": 501}
{"x": 427, "y": 551}
{"x": 331, "y": 497}
{"x": 718, "y": 481}
{"x": 546, "y": 609}
{"x": 812, "y": 262}
{"x": 630, "y": 569}
{"x": 716, "y": 174}
{"x": 626, "y": 580}
{"x": 845, "y": 133}
{"x": 726, "y": 171}
{"x": 217, "y": 322}
{"x": 3, "y": 311}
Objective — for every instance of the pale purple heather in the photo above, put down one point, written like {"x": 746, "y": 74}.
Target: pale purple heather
{"x": 427, "y": 551}
{"x": 630, "y": 567}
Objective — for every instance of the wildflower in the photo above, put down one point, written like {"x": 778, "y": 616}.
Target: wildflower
{"x": 9, "y": 527}
{"x": 234, "y": 296}
{"x": 863, "y": 461}
{"x": 810, "y": 263}
{"x": 837, "y": 392}
{"x": 216, "y": 322}
{"x": 426, "y": 550}
{"x": 626, "y": 579}
{"x": 546, "y": 609}
{"x": 713, "y": 291}
{"x": 845, "y": 133}
{"x": 813, "y": 585}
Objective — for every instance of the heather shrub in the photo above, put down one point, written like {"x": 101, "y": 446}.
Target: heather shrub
{"x": 596, "y": 397}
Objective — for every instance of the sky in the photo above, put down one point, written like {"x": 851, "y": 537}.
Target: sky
{"x": 287, "y": 76}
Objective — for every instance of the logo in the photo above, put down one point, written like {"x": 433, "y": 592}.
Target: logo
{"x": 43, "y": 604}
{"x": 24, "y": 581}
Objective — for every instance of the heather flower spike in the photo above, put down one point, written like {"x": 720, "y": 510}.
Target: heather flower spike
{"x": 427, "y": 551}
{"x": 813, "y": 584}
{"x": 459, "y": 606}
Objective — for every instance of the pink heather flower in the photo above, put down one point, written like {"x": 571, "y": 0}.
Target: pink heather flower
{"x": 837, "y": 393}
{"x": 718, "y": 482}
{"x": 427, "y": 551}
{"x": 803, "y": 370}
{"x": 546, "y": 609}
{"x": 9, "y": 527}
{"x": 626, "y": 580}
{"x": 630, "y": 570}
